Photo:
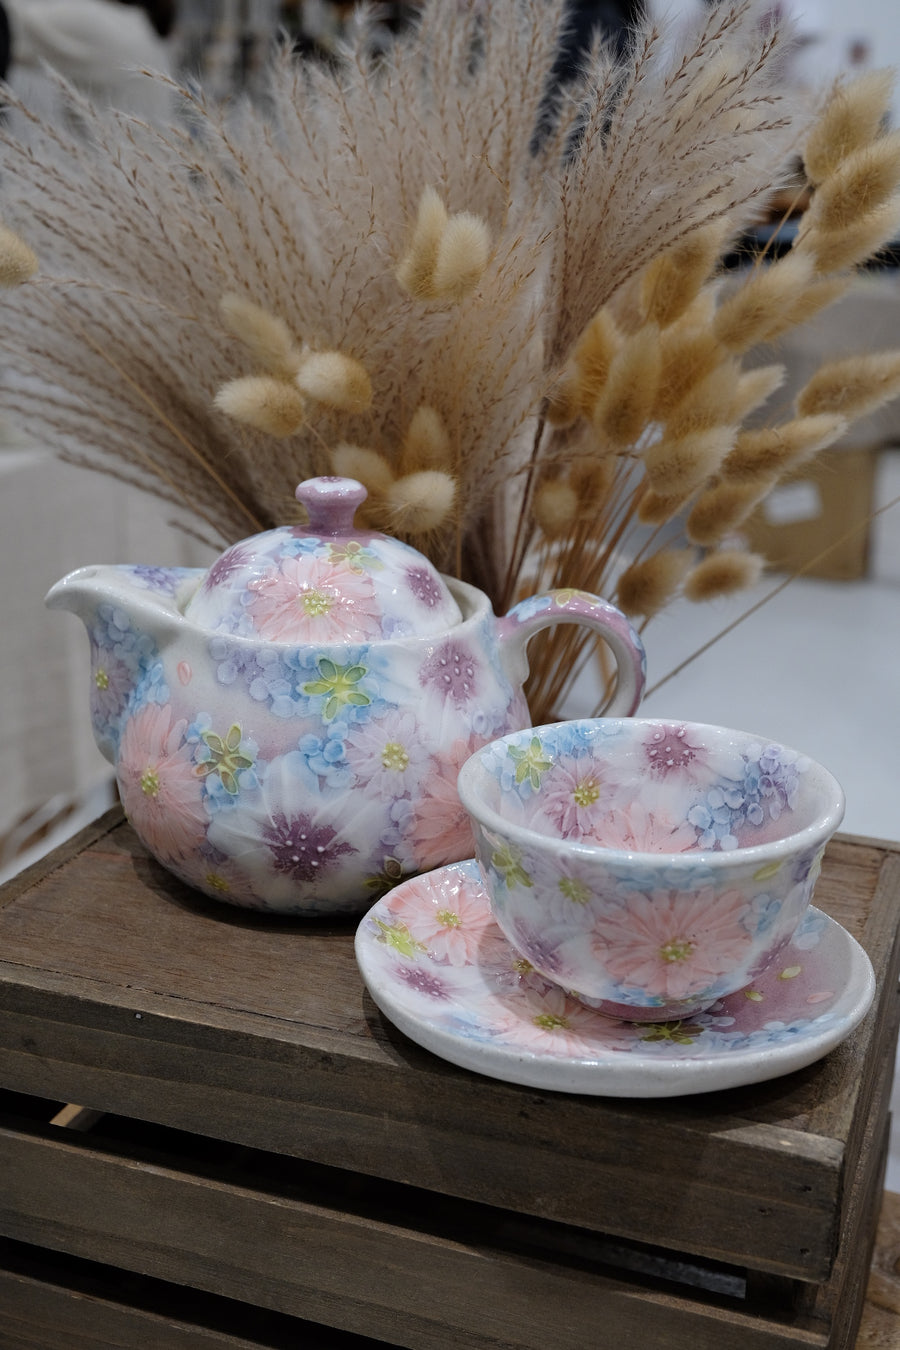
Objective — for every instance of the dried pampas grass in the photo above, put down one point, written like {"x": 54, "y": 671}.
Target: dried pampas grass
{"x": 496, "y": 302}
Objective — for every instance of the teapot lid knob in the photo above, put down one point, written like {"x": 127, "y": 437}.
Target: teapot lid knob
{"x": 331, "y": 503}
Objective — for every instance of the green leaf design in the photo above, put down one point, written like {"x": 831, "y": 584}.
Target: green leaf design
{"x": 677, "y": 1032}
{"x": 531, "y": 763}
{"x": 338, "y": 685}
{"x": 225, "y": 757}
{"x": 508, "y": 861}
{"x": 399, "y": 938}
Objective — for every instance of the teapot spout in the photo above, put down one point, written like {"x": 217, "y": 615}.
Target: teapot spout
{"x": 132, "y": 614}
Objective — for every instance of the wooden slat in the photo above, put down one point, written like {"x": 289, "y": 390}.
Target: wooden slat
{"x": 53, "y": 1302}
{"x": 124, "y": 991}
{"x": 102, "y": 1180}
{"x": 36, "y": 1315}
{"x": 838, "y": 1303}
{"x": 880, "y": 1327}
{"x": 404, "y": 1284}
{"x": 42, "y": 1306}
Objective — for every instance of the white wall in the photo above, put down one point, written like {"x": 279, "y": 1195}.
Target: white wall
{"x": 830, "y": 28}
{"x": 843, "y": 22}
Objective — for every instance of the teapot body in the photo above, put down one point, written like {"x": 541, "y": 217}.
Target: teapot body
{"x": 305, "y": 779}
{"x": 287, "y": 727}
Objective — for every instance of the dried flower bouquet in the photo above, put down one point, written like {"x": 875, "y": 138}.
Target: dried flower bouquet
{"x": 496, "y": 301}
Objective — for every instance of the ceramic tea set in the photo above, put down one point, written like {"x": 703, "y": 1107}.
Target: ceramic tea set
{"x": 287, "y": 726}
{"x": 322, "y": 719}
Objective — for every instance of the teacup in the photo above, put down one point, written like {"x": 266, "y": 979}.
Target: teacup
{"x": 648, "y": 867}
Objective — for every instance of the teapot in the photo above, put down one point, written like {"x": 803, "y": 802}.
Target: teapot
{"x": 287, "y": 727}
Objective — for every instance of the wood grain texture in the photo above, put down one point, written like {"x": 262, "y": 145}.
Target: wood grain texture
{"x": 387, "y": 1277}
{"x": 880, "y": 1326}
{"x": 53, "y": 1302}
{"x": 125, "y": 991}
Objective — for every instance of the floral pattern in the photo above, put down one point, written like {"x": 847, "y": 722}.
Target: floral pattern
{"x": 158, "y": 783}
{"x": 303, "y": 779}
{"x": 438, "y": 966}
{"x": 297, "y": 586}
{"x": 288, "y": 727}
{"x": 673, "y": 944}
{"x": 648, "y": 865}
{"x": 313, "y": 602}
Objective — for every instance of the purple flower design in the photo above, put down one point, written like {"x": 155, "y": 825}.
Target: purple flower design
{"x": 231, "y": 561}
{"x": 452, "y": 671}
{"x": 113, "y": 680}
{"x": 423, "y": 981}
{"x": 301, "y": 849}
{"x": 539, "y": 948}
{"x": 775, "y": 779}
{"x": 163, "y": 579}
{"x": 424, "y": 586}
{"x": 668, "y": 751}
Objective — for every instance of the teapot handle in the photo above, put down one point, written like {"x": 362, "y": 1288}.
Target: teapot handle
{"x": 517, "y": 628}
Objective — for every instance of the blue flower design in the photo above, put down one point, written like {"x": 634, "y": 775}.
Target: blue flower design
{"x": 150, "y": 688}
{"x": 297, "y": 544}
{"x": 326, "y": 756}
{"x": 343, "y": 688}
{"x": 164, "y": 579}
{"x": 766, "y": 909}
{"x": 536, "y": 604}
{"x": 232, "y": 661}
{"x": 121, "y": 657}
{"x": 682, "y": 877}
{"x": 767, "y": 788}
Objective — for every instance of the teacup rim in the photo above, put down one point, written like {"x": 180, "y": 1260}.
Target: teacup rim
{"x": 816, "y": 833}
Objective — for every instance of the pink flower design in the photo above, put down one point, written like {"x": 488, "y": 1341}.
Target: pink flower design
{"x": 452, "y": 671}
{"x": 641, "y": 831}
{"x": 448, "y": 919}
{"x": 388, "y": 755}
{"x": 672, "y": 944}
{"x": 161, "y": 791}
{"x": 573, "y": 798}
{"x": 313, "y": 601}
{"x": 548, "y": 1021}
{"x": 439, "y": 831}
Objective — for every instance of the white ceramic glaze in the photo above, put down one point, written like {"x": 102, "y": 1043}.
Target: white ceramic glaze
{"x": 653, "y": 867}
{"x": 287, "y": 727}
{"x": 441, "y": 971}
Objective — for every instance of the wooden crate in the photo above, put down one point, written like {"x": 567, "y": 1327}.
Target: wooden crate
{"x": 276, "y": 1160}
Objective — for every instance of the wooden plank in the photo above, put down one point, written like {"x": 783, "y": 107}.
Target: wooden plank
{"x": 880, "y": 1326}
{"x": 378, "y": 1275}
{"x": 53, "y": 1302}
{"x": 838, "y": 1304}
{"x": 45, "y": 1298}
{"x": 735, "y": 1194}
{"x": 126, "y": 992}
{"x": 70, "y": 848}
{"x": 35, "y": 1315}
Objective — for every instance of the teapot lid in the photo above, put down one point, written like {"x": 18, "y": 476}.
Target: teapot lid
{"x": 324, "y": 582}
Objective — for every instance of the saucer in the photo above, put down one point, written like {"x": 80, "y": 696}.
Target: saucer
{"x": 440, "y": 970}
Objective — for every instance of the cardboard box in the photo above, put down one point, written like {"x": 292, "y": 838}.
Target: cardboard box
{"x": 818, "y": 521}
